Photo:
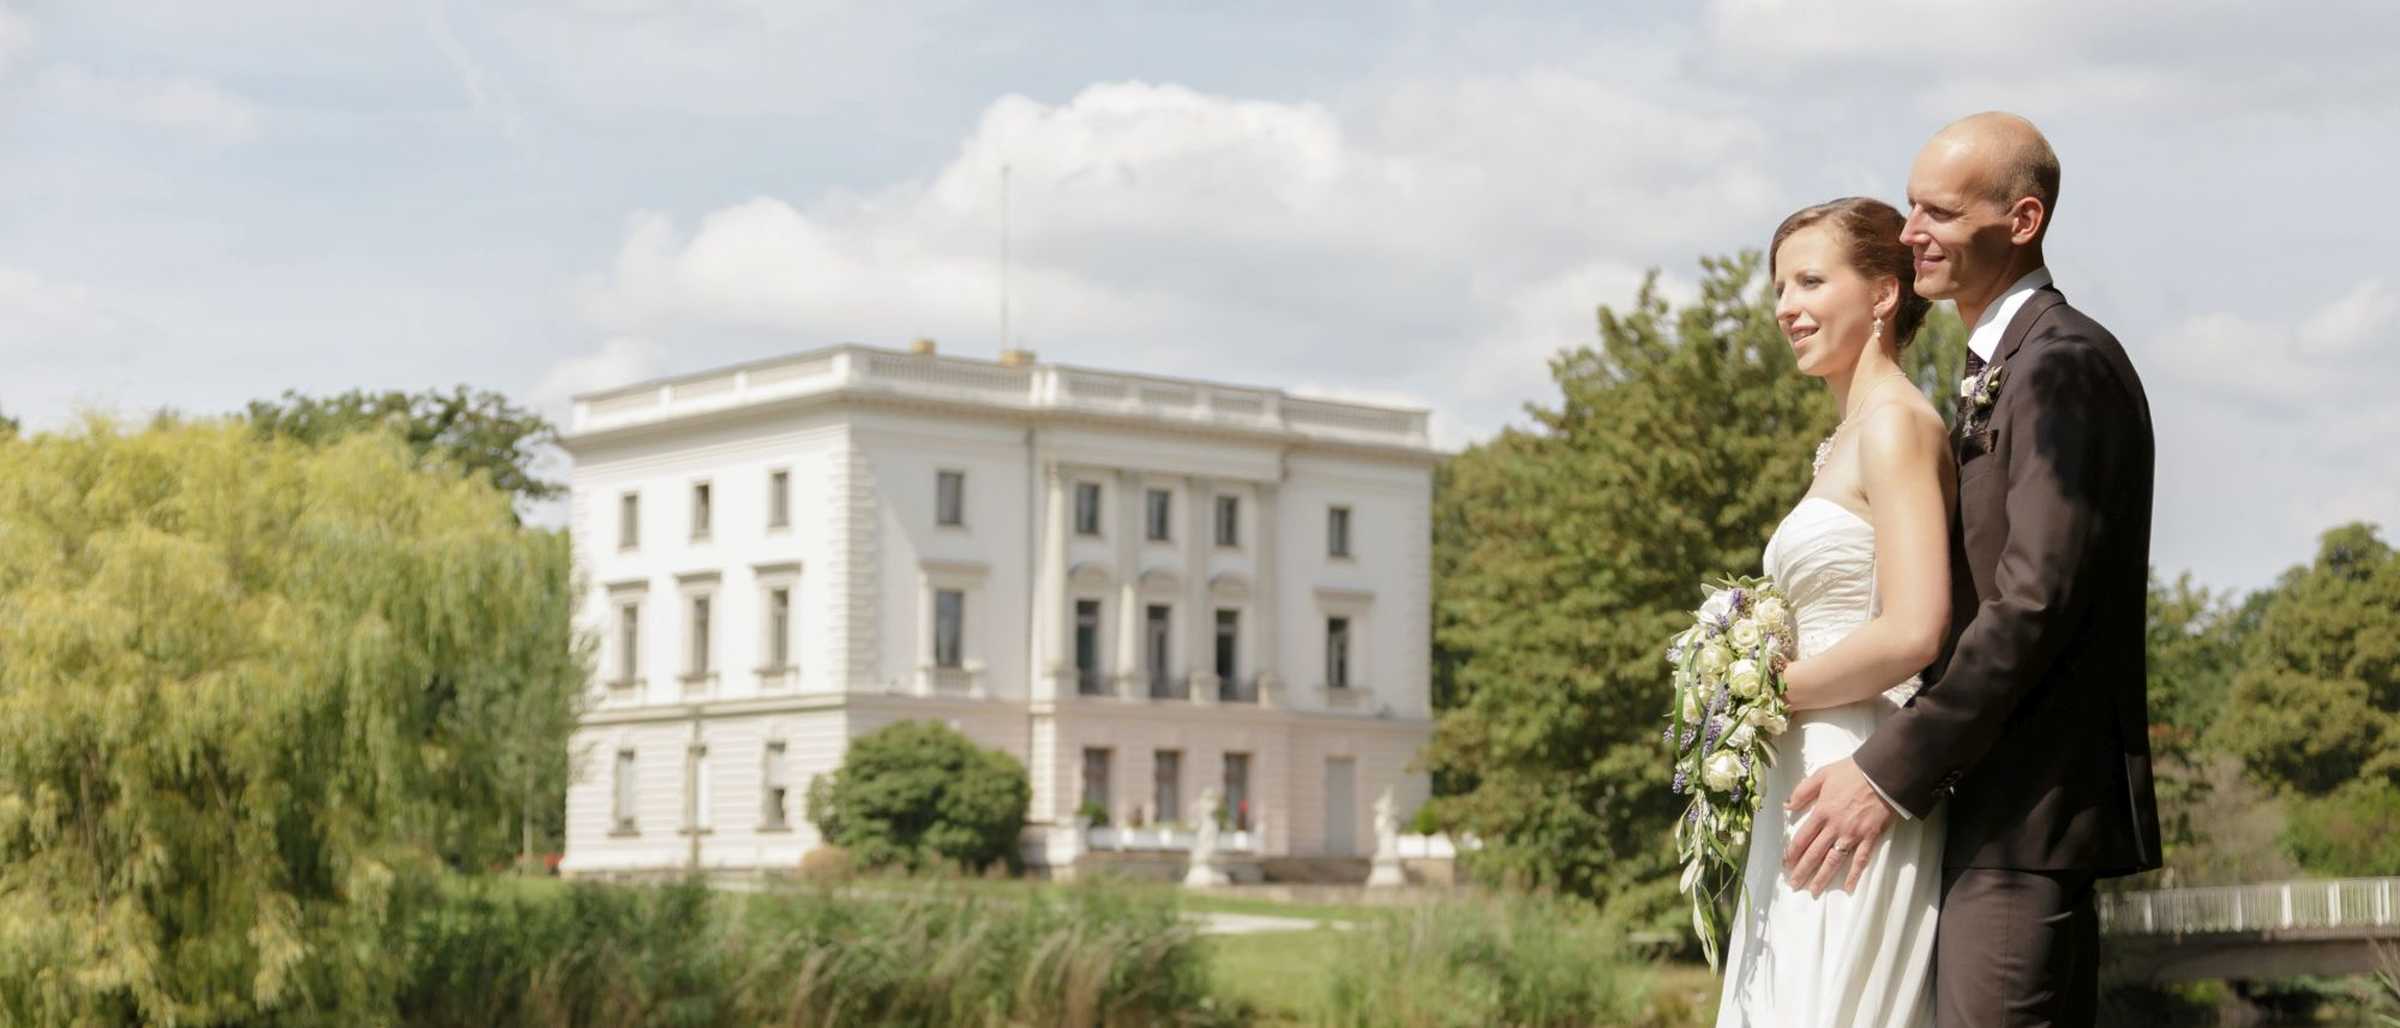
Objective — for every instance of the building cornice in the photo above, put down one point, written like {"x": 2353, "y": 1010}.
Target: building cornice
{"x": 1022, "y": 395}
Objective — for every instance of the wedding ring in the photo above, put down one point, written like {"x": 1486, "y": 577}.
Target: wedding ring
{"x": 1843, "y": 847}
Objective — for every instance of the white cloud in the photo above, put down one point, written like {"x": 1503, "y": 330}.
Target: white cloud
{"x": 2272, "y": 430}
{"x": 191, "y": 106}
{"x": 1945, "y": 58}
{"x": 618, "y": 361}
{"x": 1419, "y": 206}
{"x": 34, "y": 306}
{"x": 2321, "y": 361}
{"x": 1439, "y": 243}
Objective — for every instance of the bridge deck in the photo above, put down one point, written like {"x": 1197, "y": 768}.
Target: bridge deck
{"x": 2265, "y": 930}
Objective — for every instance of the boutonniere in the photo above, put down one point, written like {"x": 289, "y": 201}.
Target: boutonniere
{"x": 1977, "y": 393}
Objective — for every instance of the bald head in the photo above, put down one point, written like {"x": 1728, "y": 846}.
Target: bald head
{"x": 2012, "y": 158}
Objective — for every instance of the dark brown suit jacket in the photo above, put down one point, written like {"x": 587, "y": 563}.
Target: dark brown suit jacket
{"x": 2034, "y": 726}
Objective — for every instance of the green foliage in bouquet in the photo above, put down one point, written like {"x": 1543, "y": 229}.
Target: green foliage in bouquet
{"x": 1728, "y": 708}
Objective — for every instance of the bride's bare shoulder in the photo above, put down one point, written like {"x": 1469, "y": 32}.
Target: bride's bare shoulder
{"x": 1906, "y": 432}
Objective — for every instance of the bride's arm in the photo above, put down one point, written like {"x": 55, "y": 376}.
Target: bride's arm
{"x": 1901, "y": 457}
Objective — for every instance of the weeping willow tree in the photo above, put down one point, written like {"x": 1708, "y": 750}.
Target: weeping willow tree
{"x": 256, "y": 694}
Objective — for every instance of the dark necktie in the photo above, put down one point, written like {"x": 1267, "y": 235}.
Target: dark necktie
{"x": 1974, "y": 364}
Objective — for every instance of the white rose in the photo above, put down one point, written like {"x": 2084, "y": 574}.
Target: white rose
{"x": 1693, "y": 706}
{"x": 1722, "y": 772}
{"x": 1744, "y": 679}
{"x": 1742, "y": 739}
{"x": 1718, "y": 607}
{"x": 1744, "y": 636}
{"x": 1966, "y": 387}
{"x": 1714, "y": 658}
{"x": 1775, "y": 723}
{"x": 1772, "y": 614}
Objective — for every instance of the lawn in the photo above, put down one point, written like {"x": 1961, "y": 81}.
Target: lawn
{"x": 1284, "y": 973}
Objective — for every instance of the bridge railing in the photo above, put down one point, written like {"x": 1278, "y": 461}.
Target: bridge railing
{"x": 2322, "y": 904}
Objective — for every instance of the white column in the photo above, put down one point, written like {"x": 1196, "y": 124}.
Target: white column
{"x": 1266, "y": 659}
{"x": 1199, "y": 617}
{"x": 1130, "y": 501}
{"x": 1052, "y": 650}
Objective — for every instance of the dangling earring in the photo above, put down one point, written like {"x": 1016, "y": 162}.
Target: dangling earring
{"x": 1876, "y": 337}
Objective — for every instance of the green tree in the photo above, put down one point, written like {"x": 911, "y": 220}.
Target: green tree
{"x": 472, "y": 432}
{"x": 2219, "y": 826}
{"x": 2317, "y": 702}
{"x": 919, "y": 795}
{"x": 1567, "y": 552}
{"x": 475, "y": 430}
{"x": 256, "y": 695}
{"x": 2314, "y": 712}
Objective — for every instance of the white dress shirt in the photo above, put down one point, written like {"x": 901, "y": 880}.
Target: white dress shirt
{"x": 1984, "y": 338}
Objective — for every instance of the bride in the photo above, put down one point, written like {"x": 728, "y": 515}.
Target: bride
{"x": 1864, "y": 559}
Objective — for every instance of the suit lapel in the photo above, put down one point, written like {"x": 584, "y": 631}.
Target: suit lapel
{"x": 2022, "y": 325}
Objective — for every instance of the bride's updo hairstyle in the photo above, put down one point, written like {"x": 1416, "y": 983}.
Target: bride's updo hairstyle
{"x": 1870, "y": 232}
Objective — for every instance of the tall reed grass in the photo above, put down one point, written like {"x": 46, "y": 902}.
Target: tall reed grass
{"x": 541, "y": 954}
{"x": 1526, "y": 961}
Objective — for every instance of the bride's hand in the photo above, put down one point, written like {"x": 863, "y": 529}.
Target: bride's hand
{"x": 1848, "y": 818}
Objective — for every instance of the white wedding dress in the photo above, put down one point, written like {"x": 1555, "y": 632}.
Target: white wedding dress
{"x": 1860, "y": 959}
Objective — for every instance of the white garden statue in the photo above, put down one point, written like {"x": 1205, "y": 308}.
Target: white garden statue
{"x": 1205, "y": 869}
{"x": 1386, "y": 869}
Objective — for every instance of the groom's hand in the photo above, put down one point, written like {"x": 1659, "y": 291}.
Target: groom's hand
{"x": 1846, "y": 818}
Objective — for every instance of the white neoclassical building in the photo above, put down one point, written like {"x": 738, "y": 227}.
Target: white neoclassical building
{"x": 1142, "y": 587}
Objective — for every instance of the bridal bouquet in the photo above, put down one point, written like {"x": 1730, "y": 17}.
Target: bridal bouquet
{"x": 1728, "y": 705}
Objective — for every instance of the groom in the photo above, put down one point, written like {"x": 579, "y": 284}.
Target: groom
{"x": 2034, "y": 728}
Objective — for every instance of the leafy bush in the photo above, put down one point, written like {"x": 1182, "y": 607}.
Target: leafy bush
{"x": 2353, "y": 831}
{"x": 1427, "y": 821}
{"x": 919, "y": 795}
{"x": 1509, "y": 960}
{"x": 549, "y": 955}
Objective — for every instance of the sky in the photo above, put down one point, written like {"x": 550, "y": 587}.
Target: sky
{"x": 1410, "y": 203}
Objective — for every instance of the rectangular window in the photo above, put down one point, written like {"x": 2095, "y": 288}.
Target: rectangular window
{"x": 1337, "y": 653}
{"x": 695, "y": 788}
{"x": 779, "y": 499}
{"x": 1159, "y": 510}
{"x": 1229, "y": 521}
{"x": 1167, "y": 785}
{"x": 1087, "y": 508}
{"x": 949, "y": 627}
{"x": 775, "y": 791}
{"x": 1154, "y": 641}
{"x": 1087, "y": 647}
{"x": 950, "y": 498}
{"x": 702, "y": 514}
{"x": 696, "y": 663}
{"x": 626, "y": 795}
{"x": 629, "y": 521}
{"x": 1237, "y": 791}
{"x": 1095, "y": 783}
{"x": 779, "y": 627}
{"x": 629, "y": 643}
{"x": 1229, "y": 629}
{"x": 1337, "y": 531}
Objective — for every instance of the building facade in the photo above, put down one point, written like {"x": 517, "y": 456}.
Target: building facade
{"x": 1141, "y": 587}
